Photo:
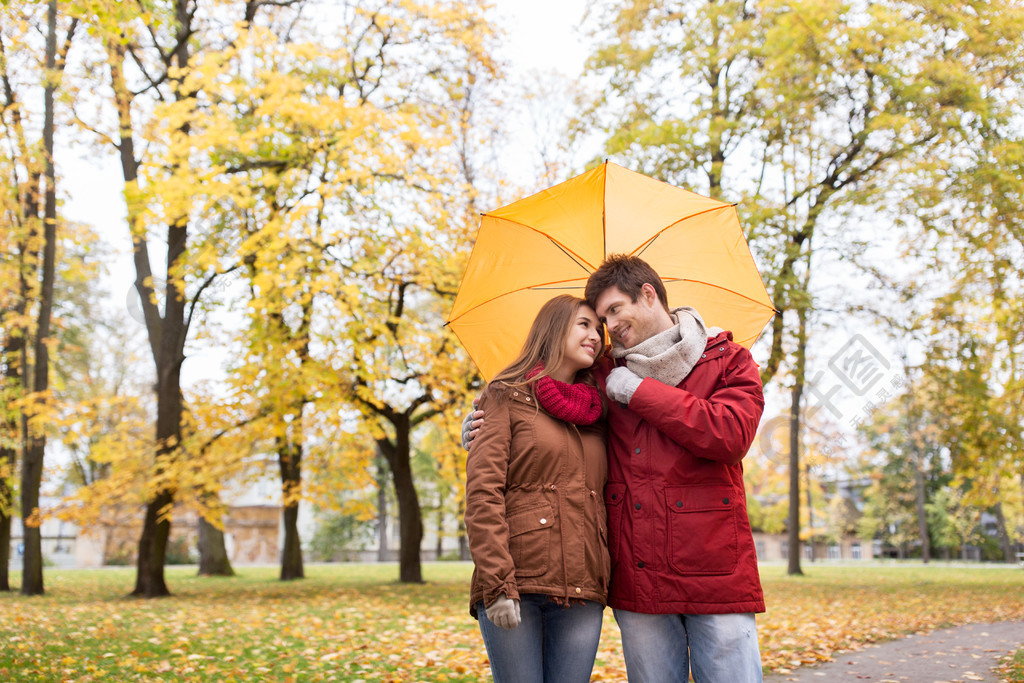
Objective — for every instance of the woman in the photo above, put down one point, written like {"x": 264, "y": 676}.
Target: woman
{"x": 535, "y": 513}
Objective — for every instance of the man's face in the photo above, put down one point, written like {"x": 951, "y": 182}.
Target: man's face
{"x": 631, "y": 322}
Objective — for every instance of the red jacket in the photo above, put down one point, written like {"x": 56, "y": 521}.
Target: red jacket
{"x": 679, "y": 536}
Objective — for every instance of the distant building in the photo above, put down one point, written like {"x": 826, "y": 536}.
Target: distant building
{"x": 253, "y": 533}
{"x": 774, "y": 547}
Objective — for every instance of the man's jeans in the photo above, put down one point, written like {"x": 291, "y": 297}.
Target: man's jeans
{"x": 554, "y": 644}
{"x": 663, "y": 648}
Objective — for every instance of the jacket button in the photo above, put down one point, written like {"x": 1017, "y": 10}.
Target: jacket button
{"x": 721, "y": 348}
{"x": 637, "y": 451}
{"x": 703, "y": 355}
{"x": 638, "y": 506}
{"x": 725, "y": 501}
{"x": 578, "y": 590}
{"x": 640, "y": 564}
{"x": 614, "y": 496}
{"x": 527, "y": 399}
{"x": 543, "y": 520}
{"x": 679, "y": 503}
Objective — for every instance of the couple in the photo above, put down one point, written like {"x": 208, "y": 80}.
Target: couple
{"x": 557, "y": 477}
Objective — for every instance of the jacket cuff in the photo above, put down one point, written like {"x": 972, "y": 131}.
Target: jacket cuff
{"x": 509, "y": 588}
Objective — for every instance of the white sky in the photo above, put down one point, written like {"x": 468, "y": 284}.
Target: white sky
{"x": 542, "y": 34}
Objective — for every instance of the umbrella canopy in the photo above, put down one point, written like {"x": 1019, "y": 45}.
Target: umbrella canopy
{"x": 549, "y": 244}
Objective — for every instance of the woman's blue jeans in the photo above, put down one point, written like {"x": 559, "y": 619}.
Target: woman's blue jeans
{"x": 552, "y": 643}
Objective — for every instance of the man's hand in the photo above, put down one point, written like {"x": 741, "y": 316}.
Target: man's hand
{"x": 504, "y": 612}
{"x": 621, "y": 384}
{"x": 471, "y": 425}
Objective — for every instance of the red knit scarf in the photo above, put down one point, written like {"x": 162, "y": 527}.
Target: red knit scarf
{"x": 577, "y": 403}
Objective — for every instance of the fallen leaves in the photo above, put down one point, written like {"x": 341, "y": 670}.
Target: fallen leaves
{"x": 352, "y": 622}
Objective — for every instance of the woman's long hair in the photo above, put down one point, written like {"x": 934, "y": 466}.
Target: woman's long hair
{"x": 545, "y": 343}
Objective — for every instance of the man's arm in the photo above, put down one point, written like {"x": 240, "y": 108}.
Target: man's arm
{"x": 720, "y": 427}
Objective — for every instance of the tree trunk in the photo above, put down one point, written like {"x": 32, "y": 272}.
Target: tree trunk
{"x": 291, "y": 556}
{"x": 167, "y": 333}
{"x": 8, "y": 460}
{"x": 13, "y": 364}
{"x": 289, "y": 458}
{"x": 156, "y": 530}
{"x": 5, "y": 548}
{"x": 922, "y": 517}
{"x": 213, "y": 554}
{"x": 32, "y": 460}
{"x": 382, "y": 509}
{"x": 410, "y": 528}
{"x": 796, "y": 395}
{"x": 810, "y": 509}
{"x": 1004, "y": 536}
{"x": 439, "y": 548}
{"x": 793, "y": 567}
{"x": 149, "y": 575}
{"x": 410, "y": 519}
{"x": 31, "y": 478}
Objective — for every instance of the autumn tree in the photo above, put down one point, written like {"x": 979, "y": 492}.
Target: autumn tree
{"x": 326, "y": 159}
{"x": 909, "y": 457}
{"x": 33, "y": 225}
{"x": 148, "y": 54}
{"x": 953, "y": 522}
{"x": 971, "y": 235}
{"x": 977, "y": 392}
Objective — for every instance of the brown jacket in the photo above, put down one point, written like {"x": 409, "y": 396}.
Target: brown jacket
{"x": 535, "y": 514}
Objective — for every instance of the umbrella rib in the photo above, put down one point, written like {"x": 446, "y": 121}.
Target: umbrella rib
{"x": 604, "y": 209}
{"x": 724, "y": 289}
{"x": 576, "y": 258}
{"x": 643, "y": 247}
{"x": 545, "y": 285}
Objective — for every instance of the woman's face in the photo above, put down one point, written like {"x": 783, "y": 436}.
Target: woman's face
{"x": 583, "y": 344}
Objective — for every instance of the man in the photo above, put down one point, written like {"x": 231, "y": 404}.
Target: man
{"x": 685, "y": 406}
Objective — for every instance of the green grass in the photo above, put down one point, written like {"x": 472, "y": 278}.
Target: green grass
{"x": 1011, "y": 669}
{"x": 355, "y": 622}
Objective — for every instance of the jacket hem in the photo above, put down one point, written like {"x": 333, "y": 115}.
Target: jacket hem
{"x": 751, "y": 607}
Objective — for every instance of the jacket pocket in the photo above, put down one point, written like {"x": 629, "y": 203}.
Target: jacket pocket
{"x": 529, "y": 539}
{"x": 703, "y": 538}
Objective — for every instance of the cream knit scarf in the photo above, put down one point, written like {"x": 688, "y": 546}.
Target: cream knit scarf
{"x": 670, "y": 355}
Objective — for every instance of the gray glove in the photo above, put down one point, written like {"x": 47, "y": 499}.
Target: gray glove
{"x": 621, "y": 384}
{"x": 504, "y": 612}
{"x": 470, "y": 424}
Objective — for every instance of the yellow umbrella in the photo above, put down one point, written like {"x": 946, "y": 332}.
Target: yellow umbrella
{"x": 550, "y": 242}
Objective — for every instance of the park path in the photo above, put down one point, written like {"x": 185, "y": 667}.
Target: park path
{"x": 964, "y": 653}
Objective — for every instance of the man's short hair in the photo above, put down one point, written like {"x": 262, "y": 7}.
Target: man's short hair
{"x": 629, "y": 274}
